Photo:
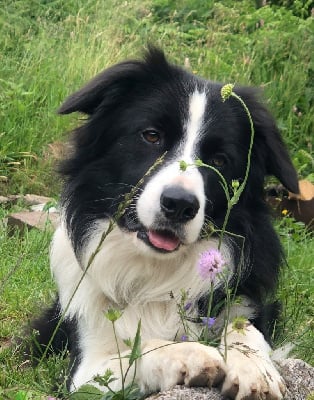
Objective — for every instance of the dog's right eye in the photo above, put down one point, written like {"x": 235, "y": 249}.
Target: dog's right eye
{"x": 151, "y": 136}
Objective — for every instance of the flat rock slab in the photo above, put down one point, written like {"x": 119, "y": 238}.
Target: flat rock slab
{"x": 34, "y": 199}
{"x": 298, "y": 375}
{"x": 9, "y": 200}
{"x": 33, "y": 219}
{"x": 28, "y": 199}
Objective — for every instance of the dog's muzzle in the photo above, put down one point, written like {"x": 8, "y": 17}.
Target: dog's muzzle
{"x": 177, "y": 206}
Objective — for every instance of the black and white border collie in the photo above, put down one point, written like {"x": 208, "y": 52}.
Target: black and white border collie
{"x": 139, "y": 111}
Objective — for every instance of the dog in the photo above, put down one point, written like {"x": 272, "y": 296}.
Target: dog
{"x": 136, "y": 210}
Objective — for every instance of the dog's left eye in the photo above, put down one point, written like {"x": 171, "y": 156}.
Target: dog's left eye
{"x": 218, "y": 161}
{"x": 151, "y": 136}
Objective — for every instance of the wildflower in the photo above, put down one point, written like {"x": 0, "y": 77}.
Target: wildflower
{"x": 210, "y": 264}
{"x": 183, "y": 165}
{"x": 226, "y": 91}
{"x": 113, "y": 315}
{"x": 235, "y": 184}
{"x": 284, "y": 212}
{"x": 239, "y": 324}
{"x": 184, "y": 338}
{"x": 208, "y": 321}
{"x": 199, "y": 163}
{"x": 187, "y": 306}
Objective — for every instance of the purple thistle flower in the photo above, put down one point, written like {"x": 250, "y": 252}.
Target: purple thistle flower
{"x": 210, "y": 264}
{"x": 208, "y": 321}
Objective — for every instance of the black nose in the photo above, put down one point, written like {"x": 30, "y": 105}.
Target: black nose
{"x": 178, "y": 204}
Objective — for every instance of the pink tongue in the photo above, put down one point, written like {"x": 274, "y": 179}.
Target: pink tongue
{"x": 165, "y": 240}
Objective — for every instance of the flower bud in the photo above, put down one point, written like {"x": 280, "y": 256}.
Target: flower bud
{"x": 226, "y": 91}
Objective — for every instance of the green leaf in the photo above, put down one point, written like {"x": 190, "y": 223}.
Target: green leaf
{"x": 128, "y": 342}
{"x": 106, "y": 379}
{"x": 87, "y": 392}
{"x": 21, "y": 395}
{"x": 136, "y": 349}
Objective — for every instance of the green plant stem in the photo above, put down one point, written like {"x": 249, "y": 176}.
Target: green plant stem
{"x": 227, "y": 316}
{"x": 119, "y": 356}
{"x": 238, "y": 193}
{"x": 133, "y": 377}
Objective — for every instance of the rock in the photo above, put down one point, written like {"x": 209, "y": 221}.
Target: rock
{"x": 299, "y": 378}
{"x": 36, "y": 218}
{"x": 7, "y": 201}
{"x": 34, "y": 199}
{"x": 298, "y": 375}
{"x": 4, "y": 200}
{"x": 33, "y": 219}
{"x": 28, "y": 199}
{"x": 185, "y": 393}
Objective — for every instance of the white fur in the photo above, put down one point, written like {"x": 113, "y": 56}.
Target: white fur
{"x": 250, "y": 371}
{"x": 194, "y": 125}
{"x": 141, "y": 286}
{"x": 127, "y": 279}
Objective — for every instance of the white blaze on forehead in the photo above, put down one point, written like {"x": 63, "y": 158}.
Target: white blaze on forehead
{"x": 148, "y": 205}
{"x": 197, "y": 106}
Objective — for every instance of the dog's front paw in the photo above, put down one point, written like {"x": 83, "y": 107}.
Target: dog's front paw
{"x": 165, "y": 364}
{"x": 250, "y": 381}
{"x": 250, "y": 373}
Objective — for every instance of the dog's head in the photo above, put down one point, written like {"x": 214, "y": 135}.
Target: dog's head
{"x": 139, "y": 111}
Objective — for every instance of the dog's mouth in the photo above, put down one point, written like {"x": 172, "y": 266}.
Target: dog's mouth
{"x": 160, "y": 240}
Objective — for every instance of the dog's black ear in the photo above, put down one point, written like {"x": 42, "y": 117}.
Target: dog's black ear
{"x": 276, "y": 157}
{"x": 116, "y": 81}
{"x": 278, "y": 161}
{"x": 108, "y": 83}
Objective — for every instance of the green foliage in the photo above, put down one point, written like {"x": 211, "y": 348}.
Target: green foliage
{"x": 300, "y": 8}
{"x": 304, "y": 162}
{"x": 187, "y": 12}
{"x": 87, "y": 392}
{"x": 297, "y": 288}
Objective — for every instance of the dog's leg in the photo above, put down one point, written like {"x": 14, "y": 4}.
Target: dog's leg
{"x": 97, "y": 364}
{"x": 250, "y": 371}
{"x": 162, "y": 365}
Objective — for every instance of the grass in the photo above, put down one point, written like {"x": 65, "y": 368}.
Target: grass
{"x": 50, "y": 48}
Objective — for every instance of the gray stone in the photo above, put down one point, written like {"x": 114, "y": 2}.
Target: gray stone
{"x": 299, "y": 378}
